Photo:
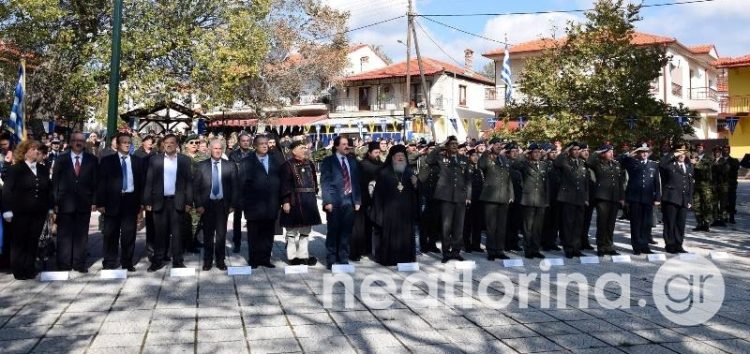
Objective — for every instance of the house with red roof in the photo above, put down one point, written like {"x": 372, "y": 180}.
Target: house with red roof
{"x": 689, "y": 77}
{"x": 456, "y": 97}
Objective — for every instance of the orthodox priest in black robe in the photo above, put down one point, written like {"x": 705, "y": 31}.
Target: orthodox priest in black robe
{"x": 361, "y": 240}
{"x": 394, "y": 210}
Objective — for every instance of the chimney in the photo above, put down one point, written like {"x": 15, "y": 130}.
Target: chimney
{"x": 468, "y": 59}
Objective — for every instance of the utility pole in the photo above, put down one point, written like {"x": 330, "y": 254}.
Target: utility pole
{"x": 425, "y": 89}
{"x": 407, "y": 104}
{"x": 114, "y": 70}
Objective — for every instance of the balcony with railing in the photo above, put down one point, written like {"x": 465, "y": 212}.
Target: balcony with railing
{"x": 352, "y": 105}
{"x": 736, "y": 105}
{"x": 493, "y": 101}
{"x": 704, "y": 93}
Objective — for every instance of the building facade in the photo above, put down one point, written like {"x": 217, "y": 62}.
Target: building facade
{"x": 737, "y": 104}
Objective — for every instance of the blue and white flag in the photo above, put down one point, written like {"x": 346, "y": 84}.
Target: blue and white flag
{"x": 16, "y": 123}
{"x": 506, "y": 74}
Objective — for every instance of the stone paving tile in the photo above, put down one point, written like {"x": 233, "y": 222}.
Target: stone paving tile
{"x": 647, "y": 349}
{"x": 310, "y": 318}
{"x": 663, "y": 335}
{"x": 620, "y": 338}
{"x": 117, "y": 340}
{"x": 693, "y": 347}
{"x": 412, "y": 338}
{"x": 272, "y": 346}
{"x": 552, "y": 328}
{"x": 436, "y": 349}
{"x": 532, "y": 344}
{"x": 169, "y": 349}
{"x": 262, "y": 333}
{"x": 329, "y": 345}
{"x": 219, "y": 322}
{"x": 166, "y": 338}
{"x": 171, "y": 325}
{"x": 373, "y": 340}
{"x": 731, "y": 345}
{"x": 70, "y": 344}
{"x": 577, "y": 341}
{"x": 137, "y": 326}
{"x": 702, "y": 333}
{"x": 32, "y": 320}
{"x": 82, "y": 329}
{"x": 23, "y": 332}
{"x": 17, "y": 346}
{"x": 319, "y": 331}
{"x": 221, "y": 335}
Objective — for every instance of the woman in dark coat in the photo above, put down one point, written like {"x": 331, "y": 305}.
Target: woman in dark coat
{"x": 394, "y": 210}
{"x": 27, "y": 203}
{"x": 299, "y": 198}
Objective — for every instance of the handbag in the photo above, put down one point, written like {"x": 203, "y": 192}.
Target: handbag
{"x": 46, "y": 244}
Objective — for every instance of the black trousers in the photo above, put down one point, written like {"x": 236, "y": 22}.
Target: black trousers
{"x": 169, "y": 226}
{"x": 572, "y": 224}
{"x": 72, "y": 236}
{"x": 119, "y": 232}
{"x": 25, "y": 230}
{"x": 473, "y": 224}
{"x": 5, "y": 251}
{"x": 551, "y": 227}
{"x": 606, "y": 217}
{"x": 214, "y": 220}
{"x": 496, "y": 217}
{"x": 640, "y": 225}
{"x": 732, "y": 199}
{"x": 260, "y": 240}
{"x": 674, "y": 217}
{"x": 452, "y": 215}
{"x": 340, "y": 224}
{"x": 237, "y": 229}
{"x": 533, "y": 223}
{"x": 150, "y": 235}
{"x": 361, "y": 242}
{"x": 514, "y": 226}
{"x": 429, "y": 224}
{"x": 587, "y": 217}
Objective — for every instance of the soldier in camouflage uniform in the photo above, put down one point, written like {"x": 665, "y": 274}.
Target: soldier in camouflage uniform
{"x": 703, "y": 194}
{"x": 720, "y": 171}
{"x": 191, "y": 224}
{"x": 734, "y": 168}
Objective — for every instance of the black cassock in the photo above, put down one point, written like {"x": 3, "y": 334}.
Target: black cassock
{"x": 394, "y": 211}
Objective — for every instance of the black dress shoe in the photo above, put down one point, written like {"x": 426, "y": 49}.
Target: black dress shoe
{"x": 445, "y": 259}
{"x": 588, "y": 248}
{"x": 221, "y": 266}
{"x": 671, "y": 251}
{"x": 647, "y": 251}
{"x": 653, "y": 243}
{"x": 491, "y": 258}
{"x": 613, "y": 253}
{"x": 294, "y": 261}
{"x": 235, "y": 249}
{"x": 130, "y": 269}
{"x": 459, "y": 258}
{"x": 207, "y": 267}
{"x": 154, "y": 267}
{"x": 178, "y": 265}
{"x": 310, "y": 261}
{"x": 502, "y": 256}
{"x": 478, "y": 250}
{"x": 681, "y": 250}
{"x": 539, "y": 255}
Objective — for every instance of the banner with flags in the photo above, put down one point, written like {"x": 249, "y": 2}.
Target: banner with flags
{"x": 732, "y": 123}
{"x": 16, "y": 123}
{"x": 506, "y": 74}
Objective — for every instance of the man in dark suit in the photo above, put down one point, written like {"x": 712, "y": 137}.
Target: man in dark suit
{"x": 453, "y": 190}
{"x": 145, "y": 152}
{"x": 642, "y": 193}
{"x": 73, "y": 191}
{"x": 236, "y": 156}
{"x": 339, "y": 179}
{"x": 677, "y": 197}
{"x": 168, "y": 192}
{"x": 261, "y": 201}
{"x": 574, "y": 196}
{"x": 119, "y": 193}
{"x": 215, "y": 192}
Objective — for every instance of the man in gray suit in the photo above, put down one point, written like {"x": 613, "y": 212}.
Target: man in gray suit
{"x": 453, "y": 191}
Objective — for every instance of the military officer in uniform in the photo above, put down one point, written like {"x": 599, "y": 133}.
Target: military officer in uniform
{"x": 496, "y": 196}
{"x": 574, "y": 196}
{"x": 551, "y": 230}
{"x": 534, "y": 198}
{"x": 677, "y": 197}
{"x": 703, "y": 198}
{"x": 589, "y": 210}
{"x": 429, "y": 219}
{"x": 642, "y": 193}
{"x": 608, "y": 195}
{"x": 720, "y": 173}
{"x": 734, "y": 168}
{"x": 453, "y": 190}
{"x": 191, "y": 224}
{"x": 515, "y": 210}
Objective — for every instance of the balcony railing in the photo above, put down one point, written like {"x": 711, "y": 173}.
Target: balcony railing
{"x": 735, "y": 104}
{"x": 676, "y": 89}
{"x": 704, "y": 93}
{"x": 490, "y": 93}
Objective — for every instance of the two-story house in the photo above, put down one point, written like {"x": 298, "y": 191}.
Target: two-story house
{"x": 456, "y": 99}
{"x": 689, "y": 77}
{"x": 737, "y": 104}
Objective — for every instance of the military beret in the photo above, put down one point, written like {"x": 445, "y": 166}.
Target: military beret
{"x": 573, "y": 144}
{"x": 192, "y": 137}
{"x": 583, "y": 146}
{"x": 534, "y": 146}
{"x": 295, "y": 144}
{"x": 510, "y": 146}
{"x": 604, "y": 148}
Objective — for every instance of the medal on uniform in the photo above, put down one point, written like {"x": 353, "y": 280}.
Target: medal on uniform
{"x": 303, "y": 169}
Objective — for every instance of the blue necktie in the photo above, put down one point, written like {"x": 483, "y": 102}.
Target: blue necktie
{"x": 215, "y": 180}
{"x": 124, "y": 174}
{"x": 265, "y": 163}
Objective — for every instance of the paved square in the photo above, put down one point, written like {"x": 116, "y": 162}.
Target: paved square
{"x": 270, "y": 312}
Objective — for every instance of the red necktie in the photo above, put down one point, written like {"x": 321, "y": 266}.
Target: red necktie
{"x": 77, "y": 166}
{"x": 347, "y": 179}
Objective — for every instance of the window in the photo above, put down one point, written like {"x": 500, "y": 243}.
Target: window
{"x": 461, "y": 95}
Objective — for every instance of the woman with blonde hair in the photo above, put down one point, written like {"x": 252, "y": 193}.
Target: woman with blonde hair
{"x": 26, "y": 204}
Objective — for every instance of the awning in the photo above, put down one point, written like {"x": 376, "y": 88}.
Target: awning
{"x": 284, "y": 121}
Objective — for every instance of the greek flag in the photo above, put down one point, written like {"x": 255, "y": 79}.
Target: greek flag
{"x": 506, "y": 76}
{"x": 16, "y": 115}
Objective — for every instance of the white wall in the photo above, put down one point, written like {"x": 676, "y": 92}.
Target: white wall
{"x": 355, "y": 64}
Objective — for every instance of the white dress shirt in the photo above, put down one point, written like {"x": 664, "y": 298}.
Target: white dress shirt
{"x": 129, "y": 176}
{"x": 170, "y": 175}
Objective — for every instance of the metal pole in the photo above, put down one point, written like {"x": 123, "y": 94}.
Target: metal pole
{"x": 425, "y": 90}
{"x": 114, "y": 70}
{"x": 407, "y": 106}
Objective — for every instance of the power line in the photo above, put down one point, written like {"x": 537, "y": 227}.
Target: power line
{"x": 436, "y": 44}
{"x": 561, "y": 11}
{"x": 361, "y": 27}
{"x": 465, "y": 32}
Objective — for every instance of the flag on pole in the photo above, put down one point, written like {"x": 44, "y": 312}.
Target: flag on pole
{"x": 506, "y": 76}
{"x": 16, "y": 123}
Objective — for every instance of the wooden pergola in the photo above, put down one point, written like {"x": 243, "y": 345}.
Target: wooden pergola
{"x": 167, "y": 115}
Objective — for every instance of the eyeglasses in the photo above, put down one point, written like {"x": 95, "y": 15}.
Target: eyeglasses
{"x": 191, "y": 142}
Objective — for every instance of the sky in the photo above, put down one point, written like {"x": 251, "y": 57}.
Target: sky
{"x": 720, "y": 22}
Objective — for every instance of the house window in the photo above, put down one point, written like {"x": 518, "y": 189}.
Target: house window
{"x": 462, "y": 95}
